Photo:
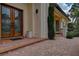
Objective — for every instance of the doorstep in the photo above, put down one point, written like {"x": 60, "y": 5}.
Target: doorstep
{"x": 18, "y": 44}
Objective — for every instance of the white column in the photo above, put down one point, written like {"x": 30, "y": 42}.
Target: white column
{"x": 33, "y": 20}
{"x": 44, "y": 20}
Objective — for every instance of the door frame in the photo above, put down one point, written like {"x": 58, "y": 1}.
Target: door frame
{"x": 57, "y": 26}
{"x": 21, "y": 25}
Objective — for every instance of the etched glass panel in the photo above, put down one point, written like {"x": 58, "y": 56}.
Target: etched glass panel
{"x": 6, "y": 20}
{"x": 17, "y": 21}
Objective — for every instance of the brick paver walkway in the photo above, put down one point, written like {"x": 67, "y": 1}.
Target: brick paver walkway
{"x": 58, "y": 47}
{"x": 8, "y": 45}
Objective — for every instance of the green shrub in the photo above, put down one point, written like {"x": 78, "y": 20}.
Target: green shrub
{"x": 76, "y": 34}
{"x": 51, "y": 23}
{"x": 70, "y": 34}
{"x": 70, "y": 27}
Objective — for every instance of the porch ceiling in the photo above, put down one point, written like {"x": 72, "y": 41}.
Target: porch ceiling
{"x": 58, "y": 14}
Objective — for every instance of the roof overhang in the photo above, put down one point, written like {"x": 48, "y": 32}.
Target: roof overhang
{"x": 57, "y": 7}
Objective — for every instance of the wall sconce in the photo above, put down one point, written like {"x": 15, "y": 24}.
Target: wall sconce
{"x": 36, "y": 11}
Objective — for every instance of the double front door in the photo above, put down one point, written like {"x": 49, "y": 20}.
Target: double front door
{"x": 11, "y": 21}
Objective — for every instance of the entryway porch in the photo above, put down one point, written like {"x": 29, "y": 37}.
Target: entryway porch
{"x": 7, "y": 44}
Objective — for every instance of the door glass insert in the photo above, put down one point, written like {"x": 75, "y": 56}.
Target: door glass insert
{"x": 6, "y": 20}
{"x": 17, "y": 21}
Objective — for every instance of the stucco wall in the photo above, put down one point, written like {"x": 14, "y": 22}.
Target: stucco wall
{"x": 36, "y": 19}
{"x": 40, "y": 26}
{"x": 27, "y": 16}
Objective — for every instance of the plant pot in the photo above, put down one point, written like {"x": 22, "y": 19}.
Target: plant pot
{"x": 30, "y": 34}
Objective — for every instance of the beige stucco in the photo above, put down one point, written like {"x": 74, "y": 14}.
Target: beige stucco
{"x": 40, "y": 27}
{"x": 27, "y": 15}
{"x": 36, "y": 19}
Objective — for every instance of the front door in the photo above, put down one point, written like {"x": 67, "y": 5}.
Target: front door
{"x": 57, "y": 26}
{"x": 17, "y": 22}
{"x": 11, "y": 21}
{"x": 6, "y": 21}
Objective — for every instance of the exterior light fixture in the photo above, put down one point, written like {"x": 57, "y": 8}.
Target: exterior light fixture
{"x": 36, "y": 11}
